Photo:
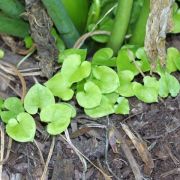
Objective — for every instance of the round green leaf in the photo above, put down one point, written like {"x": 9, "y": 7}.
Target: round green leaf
{"x": 122, "y": 107}
{"x": 126, "y": 89}
{"x": 145, "y": 94}
{"x": 124, "y": 62}
{"x": 82, "y": 72}
{"x": 57, "y": 127}
{"x": 14, "y": 106}
{"x": 56, "y": 112}
{"x": 112, "y": 97}
{"x": 173, "y": 60}
{"x": 21, "y": 129}
{"x": 173, "y": 85}
{"x": 105, "y": 78}
{"x": 60, "y": 87}
{"x": 90, "y": 97}
{"x": 105, "y": 108}
{"x": 102, "y": 56}
{"x": 38, "y": 97}
{"x": 64, "y": 54}
{"x": 141, "y": 54}
{"x": 57, "y": 116}
{"x": 125, "y": 76}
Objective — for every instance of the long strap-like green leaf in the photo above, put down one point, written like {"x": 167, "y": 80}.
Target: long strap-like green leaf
{"x": 62, "y": 21}
{"x": 12, "y": 8}
{"x": 14, "y": 27}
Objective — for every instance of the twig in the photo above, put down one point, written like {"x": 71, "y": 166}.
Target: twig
{"x": 134, "y": 166}
{"x": 16, "y": 71}
{"x": 11, "y": 87}
{"x": 79, "y": 155}
{"x": 48, "y": 159}
{"x": 82, "y": 39}
{"x": 40, "y": 153}
{"x": 8, "y": 151}
{"x": 25, "y": 57}
{"x": 174, "y": 171}
{"x": 131, "y": 56}
{"x": 2, "y": 148}
{"x": 106, "y": 150}
{"x": 103, "y": 173}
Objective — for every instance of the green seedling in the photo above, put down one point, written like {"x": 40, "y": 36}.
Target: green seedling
{"x": 28, "y": 42}
{"x": 124, "y": 62}
{"x": 90, "y": 97}
{"x": 11, "y": 108}
{"x": 1, "y": 53}
{"x": 64, "y": 54}
{"x": 60, "y": 87}
{"x": 58, "y": 117}
{"x": 22, "y": 128}
{"x": 105, "y": 78}
{"x": 38, "y": 97}
{"x": 73, "y": 70}
{"x": 168, "y": 84}
{"x": 104, "y": 57}
{"x": 149, "y": 91}
{"x": 122, "y": 107}
{"x": 173, "y": 60}
{"x": 105, "y": 108}
{"x": 176, "y": 21}
{"x": 126, "y": 86}
{"x": 143, "y": 59}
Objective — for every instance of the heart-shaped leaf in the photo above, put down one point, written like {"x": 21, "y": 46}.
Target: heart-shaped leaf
{"x": 82, "y": 72}
{"x": 112, "y": 97}
{"x": 176, "y": 21}
{"x": 105, "y": 108}
{"x": 124, "y": 62}
{"x": 57, "y": 116}
{"x": 122, "y": 107}
{"x": 141, "y": 54}
{"x": 64, "y": 54}
{"x": 173, "y": 60}
{"x": 149, "y": 92}
{"x": 22, "y": 128}
{"x": 90, "y": 97}
{"x": 13, "y": 107}
{"x": 105, "y": 78}
{"x": 104, "y": 57}
{"x": 60, "y": 87}
{"x": 173, "y": 85}
{"x": 38, "y": 97}
{"x": 74, "y": 70}
{"x": 126, "y": 87}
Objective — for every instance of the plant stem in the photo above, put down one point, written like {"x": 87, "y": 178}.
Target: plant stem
{"x": 139, "y": 32}
{"x": 12, "y": 8}
{"x": 120, "y": 25}
{"x": 62, "y": 21}
{"x": 14, "y": 27}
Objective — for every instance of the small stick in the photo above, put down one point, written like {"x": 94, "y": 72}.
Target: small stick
{"x": 8, "y": 151}
{"x": 40, "y": 153}
{"x": 134, "y": 166}
{"x": 103, "y": 173}
{"x": 48, "y": 159}
{"x": 81, "y": 40}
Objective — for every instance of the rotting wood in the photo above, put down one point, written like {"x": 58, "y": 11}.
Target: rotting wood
{"x": 40, "y": 25}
